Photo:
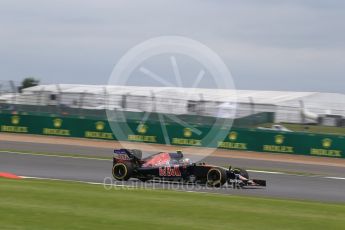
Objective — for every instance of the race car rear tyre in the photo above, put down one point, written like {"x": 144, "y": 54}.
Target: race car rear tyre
{"x": 122, "y": 171}
{"x": 216, "y": 177}
{"x": 242, "y": 172}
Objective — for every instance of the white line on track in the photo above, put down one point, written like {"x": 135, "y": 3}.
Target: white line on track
{"x": 56, "y": 179}
{"x": 269, "y": 172}
{"x": 334, "y": 178}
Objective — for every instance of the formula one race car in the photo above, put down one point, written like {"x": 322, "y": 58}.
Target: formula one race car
{"x": 128, "y": 163}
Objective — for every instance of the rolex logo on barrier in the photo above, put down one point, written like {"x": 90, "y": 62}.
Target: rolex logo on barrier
{"x": 187, "y": 140}
{"x": 279, "y": 148}
{"x": 57, "y": 122}
{"x": 326, "y": 149}
{"x": 326, "y": 143}
{"x": 99, "y": 134}
{"x": 56, "y": 131}
{"x": 187, "y": 132}
{"x": 14, "y": 128}
{"x": 232, "y": 136}
{"x": 232, "y": 144}
{"x": 279, "y": 139}
{"x": 142, "y": 128}
{"x": 100, "y": 125}
{"x": 15, "y": 120}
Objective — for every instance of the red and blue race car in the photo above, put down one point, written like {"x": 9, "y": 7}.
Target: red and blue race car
{"x": 128, "y": 163}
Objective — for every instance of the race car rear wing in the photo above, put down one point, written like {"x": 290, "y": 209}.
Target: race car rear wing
{"x": 128, "y": 154}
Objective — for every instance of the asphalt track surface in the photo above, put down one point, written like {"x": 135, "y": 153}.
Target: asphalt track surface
{"x": 325, "y": 184}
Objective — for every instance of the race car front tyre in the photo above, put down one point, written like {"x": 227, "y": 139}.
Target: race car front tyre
{"x": 122, "y": 171}
{"x": 216, "y": 177}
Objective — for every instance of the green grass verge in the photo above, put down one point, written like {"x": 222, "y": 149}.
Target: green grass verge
{"x": 41, "y": 204}
{"x": 310, "y": 128}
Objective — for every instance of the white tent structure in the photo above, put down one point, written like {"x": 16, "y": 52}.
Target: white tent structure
{"x": 288, "y": 106}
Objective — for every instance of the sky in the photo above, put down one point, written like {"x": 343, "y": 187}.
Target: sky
{"x": 295, "y": 45}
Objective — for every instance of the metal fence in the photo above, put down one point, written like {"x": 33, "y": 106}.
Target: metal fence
{"x": 134, "y": 107}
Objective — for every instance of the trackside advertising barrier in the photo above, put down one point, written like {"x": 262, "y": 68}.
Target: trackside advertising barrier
{"x": 174, "y": 134}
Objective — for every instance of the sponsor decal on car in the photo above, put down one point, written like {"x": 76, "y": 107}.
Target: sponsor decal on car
{"x": 169, "y": 171}
{"x": 123, "y": 157}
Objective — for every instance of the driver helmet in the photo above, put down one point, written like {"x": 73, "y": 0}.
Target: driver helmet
{"x": 185, "y": 161}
